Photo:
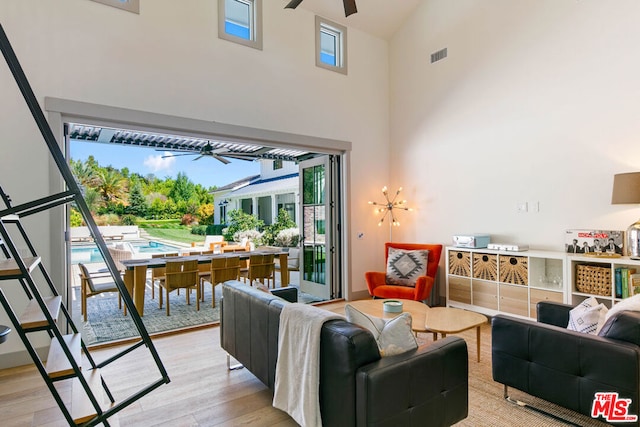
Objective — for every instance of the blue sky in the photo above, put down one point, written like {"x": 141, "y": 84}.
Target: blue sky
{"x": 206, "y": 171}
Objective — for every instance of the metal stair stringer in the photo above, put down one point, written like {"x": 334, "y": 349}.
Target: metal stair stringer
{"x": 73, "y": 194}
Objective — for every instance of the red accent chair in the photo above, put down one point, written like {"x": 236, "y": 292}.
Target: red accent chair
{"x": 376, "y": 281}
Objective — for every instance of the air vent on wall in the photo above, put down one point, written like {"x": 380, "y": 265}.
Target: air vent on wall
{"x": 437, "y": 56}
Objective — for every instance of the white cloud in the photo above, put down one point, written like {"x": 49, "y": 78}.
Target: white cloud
{"x": 158, "y": 163}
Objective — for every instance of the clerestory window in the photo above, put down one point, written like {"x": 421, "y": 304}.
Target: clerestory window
{"x": 240, "y": 21}
{"x": 331, "y": 45}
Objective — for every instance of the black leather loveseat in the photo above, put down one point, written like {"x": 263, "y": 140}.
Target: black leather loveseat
{"x": 565, "y": 367}
{"x": 425, "y": 387}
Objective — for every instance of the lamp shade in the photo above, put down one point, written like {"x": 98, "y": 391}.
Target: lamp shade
{"x": 626, "y": 188}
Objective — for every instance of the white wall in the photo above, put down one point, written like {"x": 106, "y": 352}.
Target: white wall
{"x": 169, "y": 60}
{"x": 536, "y": 102}
{"x": 267, "y": 171}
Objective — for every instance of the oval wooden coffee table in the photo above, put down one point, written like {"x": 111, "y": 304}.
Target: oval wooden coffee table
{"x": 449, "y": 320}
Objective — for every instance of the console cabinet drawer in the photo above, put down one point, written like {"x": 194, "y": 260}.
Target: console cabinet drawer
{"x": 538, "y": 295}
{"x": 485, "y": 294}
{"x": 485, "y": 266}
{"x": 460, "y": 289}
{"x": 460, "y": 263}
{"x": 514, "y": 269}
{"x": 513, "y": 299}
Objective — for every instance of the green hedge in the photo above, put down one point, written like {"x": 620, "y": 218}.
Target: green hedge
{"x": 208, "y": 230}
{"x": 159, "y": 223}
{"x": 215, "y": 229}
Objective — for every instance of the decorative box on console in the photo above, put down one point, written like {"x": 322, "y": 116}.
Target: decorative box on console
{"x": 471, "y": 240}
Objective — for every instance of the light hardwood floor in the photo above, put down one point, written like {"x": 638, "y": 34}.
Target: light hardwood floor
{"x": 202, "y": 392}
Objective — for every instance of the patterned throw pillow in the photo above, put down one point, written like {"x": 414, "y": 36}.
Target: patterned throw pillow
{"x": 587, "y": 317}
{"x": 405, "y": 266}
{"x": 394, "y": 336}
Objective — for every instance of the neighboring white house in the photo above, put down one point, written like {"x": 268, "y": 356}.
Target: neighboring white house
{"x": 277, "y": 187}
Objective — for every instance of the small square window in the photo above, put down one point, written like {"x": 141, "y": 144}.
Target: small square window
{"x": 277, "y": 164}
{"x": 240, "y": 21}
{"x": 331, "y": 45}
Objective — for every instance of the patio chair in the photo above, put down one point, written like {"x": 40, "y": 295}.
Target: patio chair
{"x": 219, "y": 271}
{"x": 293, "y": 260}
{"x": 157, "y": 274}
{"x": 180, "y": 274}
{"x": 94, "y": 284}
{"x": 213, "y": 243}
{"x": 120, "y": 255}
{"x": 261, "y": 268}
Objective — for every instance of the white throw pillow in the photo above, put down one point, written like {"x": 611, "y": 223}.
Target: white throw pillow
{"x": 405, "y": 266}
{"x": 587, "y": 317}
{"x": 631, "y": 303}
{"x": 394, "y": 336}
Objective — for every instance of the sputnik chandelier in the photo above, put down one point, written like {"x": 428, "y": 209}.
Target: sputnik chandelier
{"x": 387, "y": 207}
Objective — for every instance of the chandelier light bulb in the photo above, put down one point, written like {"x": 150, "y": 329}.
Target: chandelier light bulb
{"x": 386, "y": 208}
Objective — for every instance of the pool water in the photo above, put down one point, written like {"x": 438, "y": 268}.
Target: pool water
{"x": 90, "y": 253}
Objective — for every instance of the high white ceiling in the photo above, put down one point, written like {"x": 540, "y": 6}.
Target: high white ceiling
{"x": 377, "y": 17}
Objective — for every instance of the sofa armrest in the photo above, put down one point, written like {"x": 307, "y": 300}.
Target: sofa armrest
{"x": 288, "y": 293}
{"x": 428, "y": 386}
{"x": 553, "y": 313}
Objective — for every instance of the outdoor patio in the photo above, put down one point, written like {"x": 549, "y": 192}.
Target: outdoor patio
{"x": 106, "y": 322}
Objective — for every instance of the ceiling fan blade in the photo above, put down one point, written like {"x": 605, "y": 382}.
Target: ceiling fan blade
{"x": 349, "y": 7}
{"x": 293, "y": 4}
{"x": 222, "y": 159}
{"x": 177, "y": 155}
{"x": 199, "y": 157}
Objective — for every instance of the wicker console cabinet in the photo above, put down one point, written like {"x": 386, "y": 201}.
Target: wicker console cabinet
{"x": 493, "y": 282}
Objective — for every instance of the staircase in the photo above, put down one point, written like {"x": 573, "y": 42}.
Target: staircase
{"x": 68, "y": 359}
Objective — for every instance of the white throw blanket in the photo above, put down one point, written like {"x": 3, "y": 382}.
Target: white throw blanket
{"x": 297, "y": 390}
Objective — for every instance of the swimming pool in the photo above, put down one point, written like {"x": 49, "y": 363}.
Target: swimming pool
{"x": 90, "y": 253}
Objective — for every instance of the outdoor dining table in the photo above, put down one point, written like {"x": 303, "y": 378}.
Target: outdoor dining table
{"x": 135, "y": 274}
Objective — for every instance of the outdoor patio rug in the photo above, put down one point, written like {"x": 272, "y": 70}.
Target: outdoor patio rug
{"x": 107, "y": 323}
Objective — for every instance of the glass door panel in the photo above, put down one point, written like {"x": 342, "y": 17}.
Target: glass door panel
{"x": 316, "y": 265}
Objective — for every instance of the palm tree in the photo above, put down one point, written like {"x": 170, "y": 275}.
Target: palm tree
{"x": 110, "y": 185}
{"x": 84, "y": 172}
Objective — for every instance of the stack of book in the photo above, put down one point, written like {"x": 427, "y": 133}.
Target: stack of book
{"x": 627, "y": 282}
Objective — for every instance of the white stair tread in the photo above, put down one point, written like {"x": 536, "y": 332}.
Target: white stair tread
{"x": 57, "y": 363}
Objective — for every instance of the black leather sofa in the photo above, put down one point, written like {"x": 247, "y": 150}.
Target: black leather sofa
{"x": 425, "y": 387}
{"x": 565, "y": 367}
